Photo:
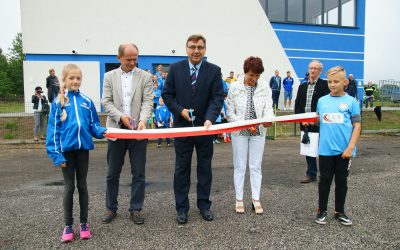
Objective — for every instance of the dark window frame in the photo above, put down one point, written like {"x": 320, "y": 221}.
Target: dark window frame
{"x": 339, "y": 25}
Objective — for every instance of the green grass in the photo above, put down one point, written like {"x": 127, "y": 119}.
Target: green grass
{"x": 390, "y": 104}
{"x": 11, "y": 107}
{"x": 390, "y": 120}
{"x": 9, "y": 136}
{"x": 11, "y": 125}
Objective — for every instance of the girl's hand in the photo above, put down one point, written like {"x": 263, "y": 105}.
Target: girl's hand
{"x": 63, "y": 165}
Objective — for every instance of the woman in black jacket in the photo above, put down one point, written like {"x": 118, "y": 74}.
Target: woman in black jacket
{"x": 40, "y": 110}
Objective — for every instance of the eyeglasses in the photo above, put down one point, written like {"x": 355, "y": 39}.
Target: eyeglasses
{"x": 193, "y": 47}
{"x": 314, "y": 68}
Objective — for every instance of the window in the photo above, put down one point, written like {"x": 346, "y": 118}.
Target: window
{"x": 316, "y": 12}
{"x": 276, "y": 10}
{"x": 348, "y": 13}
{"x": 295, "y": 11}
{"x": 264, "y": 5}
{"x": 331, "y": 12}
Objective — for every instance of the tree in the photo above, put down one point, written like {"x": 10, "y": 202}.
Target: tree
{"x": 5, "y": 81}
{"x": 15, "y": 70}
{"x": 16, "y": 52}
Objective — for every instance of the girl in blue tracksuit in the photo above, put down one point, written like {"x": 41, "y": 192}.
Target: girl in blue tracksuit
{"x": 163, "y": 119}
{"x": 73, "y": 121}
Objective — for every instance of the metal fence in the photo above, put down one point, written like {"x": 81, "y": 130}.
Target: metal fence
{"x": 389, "y": 90}
{"x": 17, "y": 122}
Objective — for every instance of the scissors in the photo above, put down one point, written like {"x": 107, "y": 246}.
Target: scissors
{"x": 133, "y": 123}
{"x": 192, "y": 117}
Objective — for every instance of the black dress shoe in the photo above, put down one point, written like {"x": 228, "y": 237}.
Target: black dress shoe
{"x": 137, "y": 217}
{"x": 207, "y": 214}
{"x": 182, "y": 218}
{"x": 110, "y": 216}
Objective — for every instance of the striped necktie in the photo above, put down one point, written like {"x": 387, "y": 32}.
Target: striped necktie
{"x": 193, "y": 76}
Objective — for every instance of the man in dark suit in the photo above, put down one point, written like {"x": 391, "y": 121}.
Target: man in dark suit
{"x": 193, "y": 92}
{"x": 275, "y": 83}
{"x": 351, "y": 88}
{"x": 306, "y": 101}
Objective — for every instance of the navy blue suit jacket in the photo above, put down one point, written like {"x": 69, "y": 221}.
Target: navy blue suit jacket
{"x": 206, "y": 99}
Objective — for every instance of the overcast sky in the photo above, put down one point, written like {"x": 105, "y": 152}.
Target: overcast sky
{"x": 382, "y": 36}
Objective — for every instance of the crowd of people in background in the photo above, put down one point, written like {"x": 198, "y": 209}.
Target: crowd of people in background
{"x": 165, "y": 119}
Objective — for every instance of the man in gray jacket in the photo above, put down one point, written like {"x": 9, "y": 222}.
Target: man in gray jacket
{"x": 128, "y": 102}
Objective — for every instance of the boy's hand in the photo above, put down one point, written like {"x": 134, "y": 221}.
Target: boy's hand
{"x": 348, "y": 153}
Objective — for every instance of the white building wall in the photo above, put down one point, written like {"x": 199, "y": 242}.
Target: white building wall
{"x": 36, "y": 72}
{"x": 234, "y": 29}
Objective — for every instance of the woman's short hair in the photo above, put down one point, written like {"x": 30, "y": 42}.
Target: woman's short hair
{"x": 253, "y": 64}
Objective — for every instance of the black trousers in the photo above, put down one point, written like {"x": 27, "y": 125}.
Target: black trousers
{"x": 275, "y": 98}
{"x": 77, "y": 164}
{"x": 184, "y": 150}
{"x": 330, "y": 166}
{"x": 115, "y": 159}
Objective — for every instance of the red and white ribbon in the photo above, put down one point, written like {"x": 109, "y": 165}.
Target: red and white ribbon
{"x": 117, "y": 133}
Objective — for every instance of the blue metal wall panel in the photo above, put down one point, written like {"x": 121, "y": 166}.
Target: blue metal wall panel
{"x": 329, "y": 44}
{"x": 301, "y": 67}
{"x": 325, "y": 54}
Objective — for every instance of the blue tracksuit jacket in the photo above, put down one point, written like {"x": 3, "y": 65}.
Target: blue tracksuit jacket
{"x": 76, "y": 131}
{"x": 162, "y": 114}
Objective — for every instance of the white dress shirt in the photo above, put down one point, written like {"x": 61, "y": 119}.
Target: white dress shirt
{"x": 127, "y": 86}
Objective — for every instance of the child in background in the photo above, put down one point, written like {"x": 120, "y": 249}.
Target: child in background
{"x": 72, "y": 123}
{"x": 340, "y": 126}
{"x": 156, "y": 93}
{"x": 227, "y": 135}
{"x": 164, "y": 119}
{"x": 217, "y": 121}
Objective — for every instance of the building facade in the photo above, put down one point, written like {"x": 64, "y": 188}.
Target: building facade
{"x": 88, "y": 33}
{"x": 331, "y": 31}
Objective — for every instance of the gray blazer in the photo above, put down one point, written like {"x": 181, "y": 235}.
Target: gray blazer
{"x": 142, "y": 97}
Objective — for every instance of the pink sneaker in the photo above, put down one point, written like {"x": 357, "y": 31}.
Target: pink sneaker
{"x": 68, "y": 234}
{"x": 84, "y": 231}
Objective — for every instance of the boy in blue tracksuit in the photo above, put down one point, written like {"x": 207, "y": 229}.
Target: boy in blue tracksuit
{"x": 288, "y": 87}
{"x": 163, "y": 119}
{"x": 340, "y": 126}
{"x": 72, "y": 123}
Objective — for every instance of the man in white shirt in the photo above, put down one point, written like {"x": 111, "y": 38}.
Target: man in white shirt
{"x": 128, "y": 103}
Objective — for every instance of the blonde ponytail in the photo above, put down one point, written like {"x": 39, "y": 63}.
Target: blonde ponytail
{"x": 63, "y": 100}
